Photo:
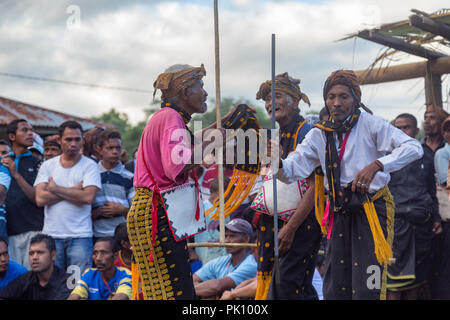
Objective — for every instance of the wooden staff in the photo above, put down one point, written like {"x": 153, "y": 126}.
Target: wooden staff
{"x": 219, "y": 125}
{"x": 274, "y": 174}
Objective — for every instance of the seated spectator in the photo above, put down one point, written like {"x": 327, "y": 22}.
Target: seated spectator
{"x": 9, "y": 270}
{"x": 45, "y": 281}
{"x": 5, "y": 181}
{"x": 227, "y": 272}
{"x": 125, "y": 254}
{"x": 106, "y": 282}
{"x": 66, "y": 185}
{"x": 51, "y": 148}
{"x": 112, "y": 202}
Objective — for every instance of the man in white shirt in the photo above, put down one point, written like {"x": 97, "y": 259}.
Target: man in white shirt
{"x": 66, "y": 185}
{"x": 357, "y": 151}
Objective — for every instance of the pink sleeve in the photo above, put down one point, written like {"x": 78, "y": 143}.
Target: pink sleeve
{"x": 175, "y": 147}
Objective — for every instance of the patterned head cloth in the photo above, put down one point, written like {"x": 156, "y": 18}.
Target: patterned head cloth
{"x": 347, "y": 78}
{"x": 176, "y": 78}
{"x": 442, "y": 114}
{"x": 344, "y": 77}
{"x": 283, "y": 83}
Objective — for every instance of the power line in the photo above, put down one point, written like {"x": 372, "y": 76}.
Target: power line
{"x": 91, "y": 85}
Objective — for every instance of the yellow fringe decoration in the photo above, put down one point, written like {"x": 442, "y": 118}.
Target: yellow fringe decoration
{"x": 135, "y": 281}
{"x": 383, "y": 250}
{"x": 319, "y": 196}
{"x": 241, "y": 183}
{"x": 262, "y": 285}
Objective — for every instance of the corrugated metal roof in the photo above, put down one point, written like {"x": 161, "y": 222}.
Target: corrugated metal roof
{"x": 38, "y": 116}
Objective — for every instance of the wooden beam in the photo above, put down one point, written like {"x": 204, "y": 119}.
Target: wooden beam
{"x": 407, "y": 71}
{"x": 398, "y": 44}
{"x": 429, "y": 25}
{"x": 433, "y": 88}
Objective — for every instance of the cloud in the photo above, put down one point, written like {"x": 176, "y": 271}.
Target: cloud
{"x": 128, "y": 43}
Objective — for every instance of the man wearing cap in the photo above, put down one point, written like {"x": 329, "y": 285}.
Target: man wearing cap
{"x": 227, "y": 272}
{"x": 299, "y": 237}
{"x": 356, "y": 150}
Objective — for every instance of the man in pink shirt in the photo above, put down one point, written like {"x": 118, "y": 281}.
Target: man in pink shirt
{"x": 164, "y": 160}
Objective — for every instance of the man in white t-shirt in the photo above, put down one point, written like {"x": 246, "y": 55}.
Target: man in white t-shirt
{"x": 66, "y": 185}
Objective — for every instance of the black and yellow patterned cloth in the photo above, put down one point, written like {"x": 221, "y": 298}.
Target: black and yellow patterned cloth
{"x": 245, "y": 173}
{"x": 167, "y": 274}
{"x": 332, "y": 163}
{"x": 352, "y": 271}
{"x": 296, "y": 267}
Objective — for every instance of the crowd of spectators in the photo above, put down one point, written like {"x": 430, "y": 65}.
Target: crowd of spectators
{"x": 64, "y": 202}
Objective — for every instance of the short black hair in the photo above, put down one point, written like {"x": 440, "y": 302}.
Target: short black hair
{"x": 407, "y": 116}
{"x": 121, "y": 233}
{"x": 105, "y": 135}
{"x": 49, "y": 241}
{"x": 71, "y": 124}
{"x": 14, "y": 125}
{"x": 4, "y": 240}
{"x": 112, "y": 242}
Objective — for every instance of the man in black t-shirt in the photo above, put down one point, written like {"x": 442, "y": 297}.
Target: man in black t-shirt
{"x": 45, "y": 281}
{"x": 24, "y": 218}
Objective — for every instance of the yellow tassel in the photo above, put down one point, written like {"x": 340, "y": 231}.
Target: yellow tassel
{"x": 135, "y": 281}
{"x": 383, "y": 250}
{"x": 262, "y": 285}
{"x": 243, "y": 183}
{"x": 319, "y": 196}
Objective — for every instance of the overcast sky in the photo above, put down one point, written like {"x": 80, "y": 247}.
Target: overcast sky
{"x": 128, "y": 43}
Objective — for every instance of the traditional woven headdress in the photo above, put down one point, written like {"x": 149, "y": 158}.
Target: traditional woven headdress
{"x": 176, "y": 78}
{"x": 283, "y": 83}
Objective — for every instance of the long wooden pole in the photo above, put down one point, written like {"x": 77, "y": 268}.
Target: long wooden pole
{"x": 406, "y": 71}
{"x": 219, "y": 125}
{"x": 274, "y": 174}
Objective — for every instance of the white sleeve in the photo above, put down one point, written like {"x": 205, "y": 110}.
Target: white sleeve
{"x": 43, "y": 174}
{"x": 91, "y": 175}
{"x": 402, "y": 148}
{"x": 301, "y": 163}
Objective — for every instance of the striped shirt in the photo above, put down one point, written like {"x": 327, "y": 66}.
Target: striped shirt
{"x": 117, "y": 186}
{"x": 92, "y": 286}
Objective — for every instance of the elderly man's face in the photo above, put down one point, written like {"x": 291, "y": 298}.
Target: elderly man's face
{"x": 431, "y": 124}
{"x": 285, "y": 106}
{"x": 196, "y": 98}
{"x": 340, "y": 102}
